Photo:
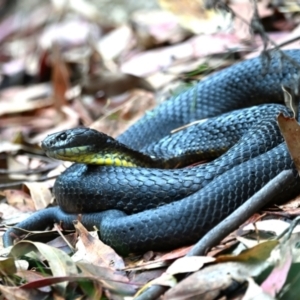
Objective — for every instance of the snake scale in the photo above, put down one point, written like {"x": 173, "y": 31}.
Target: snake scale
{"x": 156, "y": 209}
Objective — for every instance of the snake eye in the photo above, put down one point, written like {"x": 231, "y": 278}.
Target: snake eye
{"x": 62, "y": 137}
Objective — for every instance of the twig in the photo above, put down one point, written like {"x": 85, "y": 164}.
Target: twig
{"x": 238, "y": 217}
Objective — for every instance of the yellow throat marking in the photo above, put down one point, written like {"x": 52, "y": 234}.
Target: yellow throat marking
{"x": 107, "y": 159}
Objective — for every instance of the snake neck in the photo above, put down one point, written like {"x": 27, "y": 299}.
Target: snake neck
{"x": 85, "y": 145}
{"x": 119, "y": 156}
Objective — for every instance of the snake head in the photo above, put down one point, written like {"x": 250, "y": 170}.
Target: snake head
{"x": 78, "y": 145}
{"x": 86, "y": 145}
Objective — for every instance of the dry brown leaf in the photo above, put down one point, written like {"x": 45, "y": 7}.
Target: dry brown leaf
{"x": 120, "y": 118}
{"x": 210, "y": 282}
{"x": 193, "y": 15}
{"x": 189, "y": 264}
{"x": 259, "y": 253}
{"x": 7, "y": 210}
{"x": 60, "y": 78}
{"x": 64, "y": 242}
{"x": 176, "y": 253}
{"x": 19, "y": 199}
{"x": 31, "y": 276}
{"x": 40, "y": 194}
{"x": 102, "y": 273}
{"x": 26, "y": 99}
{"x": 290, "y": 130}
{"x": 86, "y": 9}
{"x": 14, "y": 166}
{"x": 149, "y": 265}
{"x": 16, "y": 293}
{"x": 67, "y": 33}
{"x": 111, "y": 84}
{"x": 291, "y": 206}
{"x": 27, "y": 122}
{"x": 96, "y": 252}
{"x": 70, "y": 120}
{"x": 141, "y": 278}
{"x": 83, "y": 112}
{"x": 115, "y": 281}
{"x": 59, "y": 262}
{"x": 121, "y": 36}
{"x": 155, "y": 27}
{"x": 244, "y": 11}
{"x": 152, "y": 61}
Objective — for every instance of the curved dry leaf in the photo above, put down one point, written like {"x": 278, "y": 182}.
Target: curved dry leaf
{"x": 115, "y": 121}
{"x": 86, "y": 9}
{"x": 11, "y": 215}
{"x": 155, "y": 60}
{"x": 95, "y": 251}
{"x": 60, "y": 78}
{"x": 149, "y": 265}
{"x": 109, "y": 278}
{"x": 194, "y": 16}
{"x": 19, "y": 199}
{"x": 290, "y": 129}
{"x": 60, "y": 263}
{"x": 40, "y": 194}
{"x": 32, "y": 276}
{"x": 120, "y": 36}
{"x": 165, "y": 280}
{"x": 27, "y": 99}
{"x": 209, "y": 283}
{"x": 189, "y": 264}
{"x": 155, "y": 27}
{"x": 258, "y": 253}
{"x": 71, "y": 119}
{"x": 100, "y": 272}
{"x": 16, "y": 293}
{"x": 112, "y": 84}
{"x": 180, "y": 252}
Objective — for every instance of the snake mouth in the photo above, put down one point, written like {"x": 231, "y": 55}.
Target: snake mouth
{"x": 84, "y": 154}
{"x": 76, "y": 154}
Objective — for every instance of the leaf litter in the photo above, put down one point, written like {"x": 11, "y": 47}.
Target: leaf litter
{"x": 61, "y": 80}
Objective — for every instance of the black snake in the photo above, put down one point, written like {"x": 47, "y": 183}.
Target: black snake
{"x": 156, "y": 209}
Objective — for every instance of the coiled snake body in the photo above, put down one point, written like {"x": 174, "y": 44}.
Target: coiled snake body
{"x": 156, "y": 209}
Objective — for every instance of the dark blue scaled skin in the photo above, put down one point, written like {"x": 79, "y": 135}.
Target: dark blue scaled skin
{"x": 139, "y": 210}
